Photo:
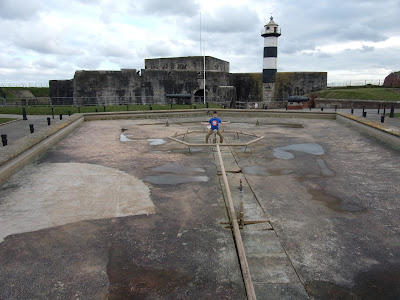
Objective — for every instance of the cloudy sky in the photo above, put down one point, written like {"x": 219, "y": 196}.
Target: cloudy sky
{"x": 352, "y": 40}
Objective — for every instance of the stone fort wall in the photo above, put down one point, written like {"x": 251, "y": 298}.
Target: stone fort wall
{"x": 178, "y": 76}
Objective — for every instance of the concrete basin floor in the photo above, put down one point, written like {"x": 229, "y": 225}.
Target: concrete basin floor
{"x": 118, "y": 211}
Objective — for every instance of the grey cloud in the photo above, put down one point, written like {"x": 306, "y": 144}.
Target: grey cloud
{"x": 324, "y": 21}
{"x": 358, "y": 32}
{"x": 133, "y": 62}
{"x": 157, "y": 50}
{"x": 293, "y": 46}
{"x": 364, "y": 49}
{"x": 367, "y": 49}
{"x": 166, "y": 8}
{"x": 232, "y": 20}
{"x": 38, "y": 37}
{"x": 115, "y": 50}
{"x": 9, "y": 61}
{"x": 88, "y": 63}
{"x": 19, "y": 9}
{"x": 46, "y": 63}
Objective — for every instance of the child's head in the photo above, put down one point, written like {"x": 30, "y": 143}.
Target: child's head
{"x": 215, "y": 114}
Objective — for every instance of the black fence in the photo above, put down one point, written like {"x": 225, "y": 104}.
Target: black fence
{"x": 105, "y": 101}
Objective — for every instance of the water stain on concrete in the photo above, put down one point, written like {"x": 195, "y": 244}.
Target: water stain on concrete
{"x": 262, "y": 171}
{"x": 61, "y": 193}
{"x": 152, "y": 142}
{"x": 160, "y": 152}
{"x": 335, "y": 203}
{"x": 132, "y": 281}
{"x": 174, "y": 179}
{"x": 373, "y": 284}
{"x": 176, "y": 168}
{"x": 325, "y": 171}
{"x": 173, "y": 174}
{"x": 255, "y": 170}
{"x": 311, "y": 148}
{"x": 124, "y": 138}
{"x": 156, "y": 142}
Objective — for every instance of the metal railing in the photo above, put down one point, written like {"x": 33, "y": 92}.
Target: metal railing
{"x": 104, "y": 101}
{"x": 24, "y": 84}
{"x": 355, "y": 83}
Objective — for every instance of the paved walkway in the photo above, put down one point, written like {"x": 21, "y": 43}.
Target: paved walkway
{"x": 372, "y": 115}
{"x": 20, "y": 128}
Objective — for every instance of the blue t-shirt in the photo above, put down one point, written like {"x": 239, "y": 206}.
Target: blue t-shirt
{"x": 214, "y": 123}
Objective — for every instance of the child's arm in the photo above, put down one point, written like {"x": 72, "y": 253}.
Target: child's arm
{"x": 225, "y": 122}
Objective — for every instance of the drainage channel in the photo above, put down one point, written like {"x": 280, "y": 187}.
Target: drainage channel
{"x": 266, "y": 268}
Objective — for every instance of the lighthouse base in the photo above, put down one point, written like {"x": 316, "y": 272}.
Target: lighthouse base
{"x": 268, "y": 91}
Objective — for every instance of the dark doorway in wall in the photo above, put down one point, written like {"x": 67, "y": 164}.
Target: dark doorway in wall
{"x": 199, "y": 96}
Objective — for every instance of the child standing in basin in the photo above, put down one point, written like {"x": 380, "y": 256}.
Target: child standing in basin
{"x": 214, "y": 121}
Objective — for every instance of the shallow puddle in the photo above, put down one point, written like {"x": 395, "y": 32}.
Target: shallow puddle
{"x": 311, "y": 148}
{"x": 124, "y": 138}
{"x": 176, "y": 174}
{"x": 335, "y": 203}
{"x": 255, "y": 170}
{"x": 155, "y": 142}
{"x": 177, "y": 168}
{"x": 174, "y": 179}
{"x": 325, "y": 171}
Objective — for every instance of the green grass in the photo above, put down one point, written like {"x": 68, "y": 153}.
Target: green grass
{"x": 5, "y": 120}
{"x": 11, "y": 92}
{"x": 396, "y": 115}
{"x": 367, "y": 93}
{"x": 46, "y": 110}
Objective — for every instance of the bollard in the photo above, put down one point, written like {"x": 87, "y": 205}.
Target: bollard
{"x": 52, "y": 111}
{"x": 97, "y": 110}
{"x": 382, "y": 119}
{"x": 286, "y": 107}
{"x": 206, "y": 104}
{"x": 322, "y": 109}
{"x": 151, "y": 107}
{"x": 69, "y": 113}
{"x": 363, "y": 111}
{"x": 194, "y": 106}
{"x": 4, "y": 139}
{"x": 379, "y": 107}
{"x": 48, "y": 121}
{"x": 104, "y": 108}
{"x": 309, "y": 108}
{"x": 190, "y": 105}
{"x": 352, "y": 111}
{"x": 335, "y": 107}
{"x": 364, "y": 114}
{"x": 391, "y": 112}
{"x": 60, "y": 116}
{"x": 384, "y": 109}
{"x": 31, "y": 128}
{"x": 79, "y": 109}
{"x": 127, "y": 107}
{"x": 24, "y": 114}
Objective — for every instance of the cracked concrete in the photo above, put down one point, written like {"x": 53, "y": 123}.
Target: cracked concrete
{"x": 335, "y": 216}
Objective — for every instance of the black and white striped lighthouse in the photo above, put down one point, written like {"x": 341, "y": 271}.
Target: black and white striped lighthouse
{"x": 270, "y": 33}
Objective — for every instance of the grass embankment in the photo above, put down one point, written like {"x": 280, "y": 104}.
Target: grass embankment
{"x": 5, "y": 120}
{"x": 361, "y": 93}
{"x": 14, "y": 92}
{"x": 46, "y": 110}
